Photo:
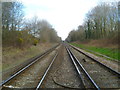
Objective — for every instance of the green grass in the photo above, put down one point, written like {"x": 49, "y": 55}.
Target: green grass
{"x": 112, "y": 53}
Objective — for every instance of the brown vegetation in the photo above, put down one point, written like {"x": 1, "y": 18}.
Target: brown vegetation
{"x": 106, "y": 43}
{"x": 14, "y": 56}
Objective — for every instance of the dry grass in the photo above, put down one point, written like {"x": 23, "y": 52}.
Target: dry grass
{"x": 105, "y": 43}
{"x": 14, "y": 56}
{"x": 106, "y": 46}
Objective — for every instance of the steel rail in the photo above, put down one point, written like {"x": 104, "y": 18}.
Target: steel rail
{"x": 93, "y": 82}
{"x": 43, "y": 77}
{"x": 118, "y": 73}
{"x": 24, "y": 68}
{"x": 77, "y": 69}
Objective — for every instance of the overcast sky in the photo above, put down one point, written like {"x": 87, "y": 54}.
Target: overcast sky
{"x": 63, "y": 15}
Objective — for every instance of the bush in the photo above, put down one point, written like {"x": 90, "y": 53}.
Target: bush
{"x": 35, "y": 42}
{"x": 20, "y": 42}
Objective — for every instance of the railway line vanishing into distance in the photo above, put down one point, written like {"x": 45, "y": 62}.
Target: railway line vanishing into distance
{"x": 63, "y": 66}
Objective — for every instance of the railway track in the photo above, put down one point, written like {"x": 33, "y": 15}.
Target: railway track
{"x": 62, "y": 73}
{"x": 102, "y": 75}
{"x": 12, "y": 80}
{"x": 81, "y": 71}
{"x": 43, "y": 77}
{"x": 116, "y": 72}
{"x": 91, "y": 74}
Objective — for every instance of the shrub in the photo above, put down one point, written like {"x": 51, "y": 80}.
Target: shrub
{"x": 35, "y": 42}
{"x": 20, "y": 42}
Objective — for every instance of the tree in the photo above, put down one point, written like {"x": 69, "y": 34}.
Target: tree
{"x": 100, "y": 22}
{"x": 12, "y": 16}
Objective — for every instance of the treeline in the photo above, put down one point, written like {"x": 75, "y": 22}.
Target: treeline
{"x": 101, "y": 22}
{"x": 19, "y": 32}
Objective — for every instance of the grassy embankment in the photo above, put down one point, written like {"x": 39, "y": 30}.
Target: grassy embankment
{"x": 14, "y": 56}
{"x": 110, "y": 52}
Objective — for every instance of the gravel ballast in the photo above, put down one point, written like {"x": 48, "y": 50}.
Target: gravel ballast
{"x": 63, "y": 73}
{"x": 103, "y": 77}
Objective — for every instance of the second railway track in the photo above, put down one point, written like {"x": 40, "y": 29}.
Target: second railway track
{"x": 85, "y": 78}
{"x": 30, "y": 77}
{"x": 103, "y": 76}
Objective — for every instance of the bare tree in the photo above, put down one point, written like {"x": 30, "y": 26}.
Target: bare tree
{"x": 100, "y": 22}
{"x": 12, "y": 16}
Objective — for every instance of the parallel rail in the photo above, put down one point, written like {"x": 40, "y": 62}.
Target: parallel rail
{"x": 115, "y": 72}
{"x": 34, "y": 60}
{"x": 77, "y": 65}
{"x": 43, "y": 77}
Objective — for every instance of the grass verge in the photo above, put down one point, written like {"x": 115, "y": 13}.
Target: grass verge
{"x": 110, "y": 52}
{"x": 14, "y": 56}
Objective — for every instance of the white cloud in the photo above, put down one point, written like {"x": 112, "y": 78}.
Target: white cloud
{"x": 64, "y": 15}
